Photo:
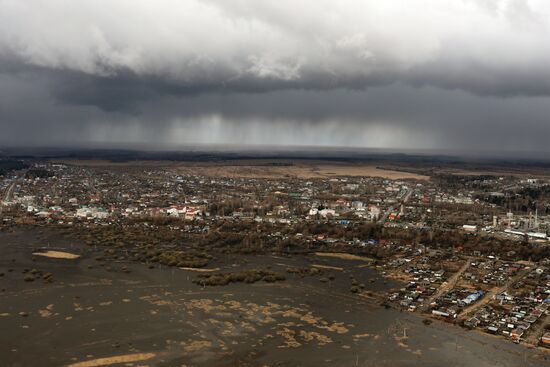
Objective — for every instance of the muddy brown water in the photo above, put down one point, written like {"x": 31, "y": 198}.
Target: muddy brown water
{"x": 95, "y": 315}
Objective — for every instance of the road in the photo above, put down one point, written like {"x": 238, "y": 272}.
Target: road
{"x": 448, "y": 285}
{"x": 8, "y": 195}
{"x": 537, "y": 329}
{"x": 9, "y": 192}
{"x": 407, "y": 196}
{"x": 466, "y": 312}
{"x": 388, "y": 211}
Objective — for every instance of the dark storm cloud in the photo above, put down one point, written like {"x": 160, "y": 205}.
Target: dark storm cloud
{"x": 126, "y": 90}
{"x": 373, "y": 73}
{"x": 386, "y": 116}
{"x": 486, "y": 46}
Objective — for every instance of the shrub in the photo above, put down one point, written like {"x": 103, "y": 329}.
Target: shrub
{"x": 243, "y": 276}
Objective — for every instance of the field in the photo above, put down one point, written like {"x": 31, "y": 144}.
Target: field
{"x": 261, "y": 168}
{"x": 299, "y": 168}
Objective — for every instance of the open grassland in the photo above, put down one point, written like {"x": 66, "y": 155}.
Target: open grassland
{"x": 261, "y": 168}
{"x": 311, "y": 169}
{"x": 296, "y": 169}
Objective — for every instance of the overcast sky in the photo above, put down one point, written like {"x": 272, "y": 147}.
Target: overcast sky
{"x": 468, "y": 75}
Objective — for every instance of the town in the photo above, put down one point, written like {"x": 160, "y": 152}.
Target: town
{"x": 471, "y": 250}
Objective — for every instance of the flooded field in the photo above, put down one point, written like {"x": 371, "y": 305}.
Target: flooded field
{"x": 77, "y": 311}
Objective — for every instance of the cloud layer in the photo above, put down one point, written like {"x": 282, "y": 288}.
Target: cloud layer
{"x": 401, "y": 73}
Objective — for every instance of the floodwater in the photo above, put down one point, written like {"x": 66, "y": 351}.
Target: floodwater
{"x": 95, "y": 314}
